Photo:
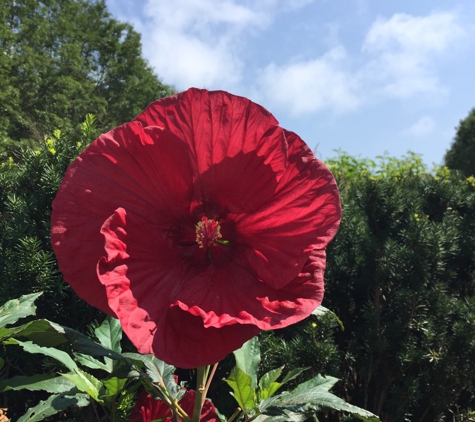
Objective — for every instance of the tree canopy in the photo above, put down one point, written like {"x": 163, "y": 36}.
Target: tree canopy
{"x": 62, "y": 59}
{"x": 461, "y": 155}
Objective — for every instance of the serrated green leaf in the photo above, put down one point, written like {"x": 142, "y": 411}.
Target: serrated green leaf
{"x": 158, "y": 371}
{"x": 241, "y": 383}
{"x": 45, "y": 382}
{"x": 86, "y": 383}
{"x": 248, "y": 358}
{"x": 270, "y": 377}
{"x": 54, "y": 404}
{"x": 270, "y": 390}
{"x": 37, "y": 330}
{"x": 114, "y": 385}
{"x": 268, "y": 385}
{"x": 15, "y": 309}
{"x": 319, "y": 382}
{"x": 308, "y": 398}
{"x": 59, "y": 355}
{"x": 84, "y": 344}
{"x": 91, "y": 362}
{"x": 294, "y": 373}
{"x": 109, "y": 334}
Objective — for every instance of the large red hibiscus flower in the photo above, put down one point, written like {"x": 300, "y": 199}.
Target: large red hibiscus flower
{"x": 198, "y": 224}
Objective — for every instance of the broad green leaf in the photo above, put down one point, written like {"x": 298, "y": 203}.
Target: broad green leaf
{"x": 268, "y": 385}
{"x": 294, "y": 373}
{"x": 46, "y": 382}
{"x": 270, "y": 377}
{"x": 308, "y": 398}
{"x": 39, "y": 331}
{"x": 321, "y": 310}
{"x": 241, "y": 384}
{"x": 114, "y": 385}
{"x": 54, "y": 404}
{"x": 319, "y": 382}
{"x": 109, "y": 334}
{"x": 15, "y": 309}
{"x": 59, "y": 355}
{"x": 5, "y": 333}
{"x": 248, "y": 358}
{"x": 84, "y": 344}
{"x": 86, "y": 383}
{"x": 270, "y": 390}
{"x": 158, "y": 371}
{"x": 91, "y": 362}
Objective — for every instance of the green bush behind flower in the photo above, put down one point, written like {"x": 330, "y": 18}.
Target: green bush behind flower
{"x": 400, "y": 278}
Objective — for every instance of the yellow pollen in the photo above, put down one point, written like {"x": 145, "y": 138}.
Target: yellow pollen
{"x": 208, "y": 232}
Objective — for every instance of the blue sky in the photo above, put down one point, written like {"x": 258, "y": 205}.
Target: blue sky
{"x": 365, "y": 76}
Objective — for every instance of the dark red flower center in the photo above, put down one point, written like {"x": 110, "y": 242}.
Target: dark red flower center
{"x": 208, "y": 232}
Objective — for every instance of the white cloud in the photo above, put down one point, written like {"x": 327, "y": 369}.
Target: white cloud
{"x": 424, "y": 126}
{"x": 402, "y": 49}
{"x": 312, "y": 85}
{"x": 198, "y": 42}
{"x": 397, "y": 61}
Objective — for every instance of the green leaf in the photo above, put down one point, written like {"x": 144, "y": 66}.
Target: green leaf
{"x": 91, "y": 362}
{"x": 294, "y": 373}
{"x": 241, "y": 383}
{"x": 39, "y": 331}
{"x": 114, "y": 386}
{"x": 248, "y": 358}
{"x": 321, "y": 310}
{"x": 109, "y": 334}
{"x": 15, "y": 309}
{"x": 54, "y": 404}
{"x": 86, "y": 383}
{"x": 270, "y": 377}
{"x": 59, "y": 355}
{"x": 309, "y": 397}
{"x": 158, "y": 371}
{"x": 319, "y": 382}
{"x": 46, "y": 382}
{"x": 268, "y": 385}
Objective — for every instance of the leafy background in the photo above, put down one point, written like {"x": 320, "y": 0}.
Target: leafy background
{"x": 400, "y": 273}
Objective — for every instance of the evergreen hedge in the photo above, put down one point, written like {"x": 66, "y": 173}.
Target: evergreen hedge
{"x": 400, "y": 278}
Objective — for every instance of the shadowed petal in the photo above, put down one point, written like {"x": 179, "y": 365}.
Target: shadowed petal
{"x": 147, "y": 171}
{"x": 303, "y": 215}
{"x": 143, "y": 273}
{"x": 217, "y": 125}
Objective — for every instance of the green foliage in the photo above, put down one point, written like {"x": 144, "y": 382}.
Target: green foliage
{"x": 400, "y": 275}
{"x": 62, "y": 59}
{"x": 73, "y": 389}
{"x": 461, "y": 155}
{"x": 258, "y": 401}
{"x": 28, "y": 183}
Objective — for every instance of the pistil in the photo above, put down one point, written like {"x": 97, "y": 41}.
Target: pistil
{"x": 208, "y": 232}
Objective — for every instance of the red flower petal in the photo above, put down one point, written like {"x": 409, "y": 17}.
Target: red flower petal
{"x": 303, "y": 215}
{"x": 142, "y": 294}
{"x": 131, "y": 207}
{"x": 147, "y": 171}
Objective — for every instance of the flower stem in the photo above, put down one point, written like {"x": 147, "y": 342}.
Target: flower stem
{"x": 208, "y": 382}
{"x": 201, "y": 373}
